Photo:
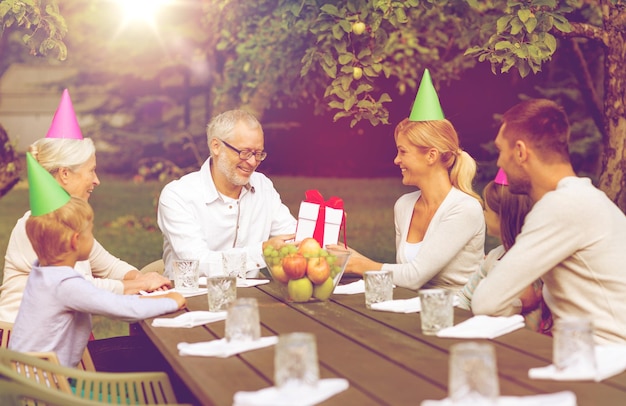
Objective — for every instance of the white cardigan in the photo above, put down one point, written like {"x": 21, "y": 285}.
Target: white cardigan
{"x": 453, "y": 246}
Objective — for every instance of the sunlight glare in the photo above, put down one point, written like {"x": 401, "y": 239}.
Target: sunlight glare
{"x": 141, "y": 10}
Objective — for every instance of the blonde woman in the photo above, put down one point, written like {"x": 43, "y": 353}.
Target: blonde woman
{"x": 440, "y": 228}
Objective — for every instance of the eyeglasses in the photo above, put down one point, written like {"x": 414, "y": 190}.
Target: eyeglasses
{"x": 246, "y": 154}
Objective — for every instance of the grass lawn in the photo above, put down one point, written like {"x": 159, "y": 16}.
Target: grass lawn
{"x": 125, "y": 222}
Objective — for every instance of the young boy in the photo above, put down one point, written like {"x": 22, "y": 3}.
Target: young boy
{"x": 57, "y": 299}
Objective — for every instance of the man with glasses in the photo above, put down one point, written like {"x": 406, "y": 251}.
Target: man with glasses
{"x": 226, "y": 205}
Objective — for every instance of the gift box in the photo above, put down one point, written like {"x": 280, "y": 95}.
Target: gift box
{"x": 322, "y": 220}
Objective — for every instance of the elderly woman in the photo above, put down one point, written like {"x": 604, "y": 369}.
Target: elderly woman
{"x": 72, "y": 162}
{"x": 440, "y": 228}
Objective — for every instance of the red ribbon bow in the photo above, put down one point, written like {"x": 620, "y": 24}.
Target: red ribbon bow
{"x": 314, "y": 196}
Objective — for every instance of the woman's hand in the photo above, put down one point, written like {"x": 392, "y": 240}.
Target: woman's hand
{"x": 358, "y": 263}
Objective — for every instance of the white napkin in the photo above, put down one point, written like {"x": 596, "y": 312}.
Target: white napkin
{"x": 248, "y": 283}
{"x": 190, "y": 319}
{"x": 241, "y": 283}
{"x": 412, "y": 305}
{"x": 292, "y": 396}
{"x": 350, "y": 288}
{"x": 610, "y": 360}
{"x": 483, "y": 327}
{"x": 564, "y": 398}
{"x": 222, "y": 348}
{"x": 198, "y": 292}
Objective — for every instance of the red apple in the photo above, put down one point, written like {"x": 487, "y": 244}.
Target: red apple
{"x": 294, "y": 265}
{"x": 309, "y": 247}
{"x": 317, "y": 270}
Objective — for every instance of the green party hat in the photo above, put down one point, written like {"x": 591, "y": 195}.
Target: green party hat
{"x": 426, "y": 105}
{"x": 46, "y": 195}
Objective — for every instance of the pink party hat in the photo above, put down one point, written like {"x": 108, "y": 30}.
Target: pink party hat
{"x": 64, "y": 124}
{"x": 426, "y": 105}
{"x": 501, "y": 178}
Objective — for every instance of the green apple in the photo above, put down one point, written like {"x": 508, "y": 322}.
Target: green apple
{"x": 358, "y": 27}
{"x": 300, "y": 290}
{"x": 357, "y": 73}
{"x": 323, "y": 291}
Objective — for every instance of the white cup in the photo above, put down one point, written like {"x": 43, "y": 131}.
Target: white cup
{"x": 221, "y": 292}
{"x": 573, "y": 344}
{"x": 473, "y": 374}
{"x": 234, "y": 263}
{"x": 437, "y": 310}
{"x": 295, "y": 361}
{"x": 378, "y": 287}
{"x": 186, "y": 275}
{"x": 242, "y": 320}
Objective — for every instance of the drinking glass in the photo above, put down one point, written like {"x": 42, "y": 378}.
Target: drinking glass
{"x": 378, "y": 287}
{"x": 186, "y": 275}
{"x": 573, "y": 345}
{"x": 234, "y": 263}
{"x": 437, "y": 310}
{"x": 242, "y": 320}
{"x": 473, "y": 374}
{"x": 295, "y": 360}
{"x": 221, "y": 292}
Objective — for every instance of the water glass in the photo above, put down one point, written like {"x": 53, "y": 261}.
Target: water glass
{"x": 221, "y": 292}
{"x": 378, "y": 287}
{"x": 473, "y": 374}
{"x": 186, "y": 275}
{"x": 295, "y": 360}
{"x": 234, "y": 263}
{"x": 573, "y": 344}
{"x": 242, "y": 320}
{"x": 437, "y": 310}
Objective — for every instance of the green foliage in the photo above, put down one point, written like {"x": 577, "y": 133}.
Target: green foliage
{"x": 523, "y": 36}
{"x": 41, "y": 22}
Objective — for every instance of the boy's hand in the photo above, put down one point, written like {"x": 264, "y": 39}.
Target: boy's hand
{"x": 180, "y": 299}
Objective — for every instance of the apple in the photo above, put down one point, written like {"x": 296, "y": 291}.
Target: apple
{"x": 358, "y": 27}
{"x": 357, "y": 73}
{"x": 323, "y": 291}
{"x": 278, "y": 273}
{"x": 300, "y": 290}
{"x": 294, "y": 265}
{"x": 317, "y": 270}
{"x": 309, "y": 247}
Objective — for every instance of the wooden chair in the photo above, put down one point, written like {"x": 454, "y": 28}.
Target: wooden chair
{"x": 16, "y": 391}
{"x": 157, "y": 266}
{"x": 86, "y": 363}
{"x": 144, "y": 388}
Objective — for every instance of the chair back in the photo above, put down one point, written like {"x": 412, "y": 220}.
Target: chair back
{"x": 15, "y": 391}
{"x": 86, "y": 362}
{"x": 149, "y": 388}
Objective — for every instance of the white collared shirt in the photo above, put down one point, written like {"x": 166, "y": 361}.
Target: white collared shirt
{"x": 199, "y": 223}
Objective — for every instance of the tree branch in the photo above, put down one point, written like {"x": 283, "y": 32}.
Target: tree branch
{"x": 586, "y": 84}
{"x": 583, "y": 30}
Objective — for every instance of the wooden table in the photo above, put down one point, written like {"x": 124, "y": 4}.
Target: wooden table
{"x": 385, "y": 357}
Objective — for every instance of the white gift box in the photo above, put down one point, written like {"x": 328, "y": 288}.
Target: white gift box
{"x": 307, "y": 219}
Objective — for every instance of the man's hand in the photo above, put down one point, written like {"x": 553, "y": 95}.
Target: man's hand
{"x": 278, "y": 241}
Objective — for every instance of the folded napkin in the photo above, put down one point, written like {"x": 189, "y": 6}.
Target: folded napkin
{"x": 564, "y": 398}
{"x": 610, "y": 360}
{"x": 412, "y": 305}
{"x": 292, "y": 396}
{"x": 241, "y": 283}
{"x": 222, "y": 348}
{"x": 350, "y": 288}
{"x": 248, "y": 283}
{"x": 190, "y": 319}
{"x": 198, "y": 292}
{"x": 483, "y": 327}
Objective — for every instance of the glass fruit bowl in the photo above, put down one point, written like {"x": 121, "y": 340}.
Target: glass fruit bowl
{"x": 306, "y": 272}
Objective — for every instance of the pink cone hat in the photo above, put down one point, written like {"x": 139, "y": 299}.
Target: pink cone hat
{"x": 501, "y": 178}
{"x": 64, "y": 124}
